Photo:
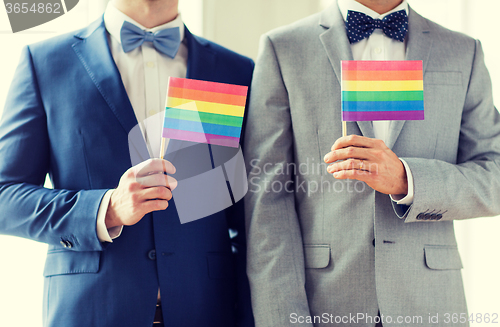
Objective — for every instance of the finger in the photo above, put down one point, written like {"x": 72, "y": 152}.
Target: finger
{"x": 153, "y": 166}
{"x": 348, "y": 153}
{"x": 155, "y": 193}
{"x": 158, "y": 179}
{"x": 348, "y": 165}
{"x": 359, "y": 175}
{"x": 357, "y": 141}
{"x": 154, "y": 205}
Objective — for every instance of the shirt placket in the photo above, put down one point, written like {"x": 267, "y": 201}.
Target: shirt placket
{"x": 151, "y": 90}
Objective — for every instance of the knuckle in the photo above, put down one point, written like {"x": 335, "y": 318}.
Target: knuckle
{"x": 131, "y": 187}
{"x": 130, "y": 173}
{"x": 373, "y": 167}
{"x": 134, "y": 197}
{"x": 381, "y": 144}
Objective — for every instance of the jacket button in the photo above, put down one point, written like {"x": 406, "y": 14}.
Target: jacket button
{"x": 152, "y": 254}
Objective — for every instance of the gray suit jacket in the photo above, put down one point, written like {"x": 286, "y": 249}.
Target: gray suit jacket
{"x": 337, "y": 249}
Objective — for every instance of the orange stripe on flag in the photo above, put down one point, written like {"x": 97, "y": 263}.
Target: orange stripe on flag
{"x": 381, "y": 75}
{"x": 196, "y": 95}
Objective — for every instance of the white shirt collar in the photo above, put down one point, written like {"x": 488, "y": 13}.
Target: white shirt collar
{"x": 346, "y": 5}
{"x": 114, "y": 18}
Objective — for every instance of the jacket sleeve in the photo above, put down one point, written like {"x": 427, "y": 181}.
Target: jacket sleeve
{"x": 275, "y": 251}
{"x": 470, "y": 187}
{"x": 64, "y": 218}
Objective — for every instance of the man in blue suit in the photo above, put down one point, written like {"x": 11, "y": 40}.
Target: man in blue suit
{"x": 118, "y": 255}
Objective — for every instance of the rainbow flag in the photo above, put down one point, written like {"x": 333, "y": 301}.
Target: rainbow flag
{"x": 382, "y": 90}
{"x": 204, "y": 112}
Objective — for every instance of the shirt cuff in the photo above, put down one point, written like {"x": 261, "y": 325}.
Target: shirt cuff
{"x": 104, "y": 234}
{"x": 408, "y": 198}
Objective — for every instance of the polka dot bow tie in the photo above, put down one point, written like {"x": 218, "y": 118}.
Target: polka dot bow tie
{"x": 360, "y": 26}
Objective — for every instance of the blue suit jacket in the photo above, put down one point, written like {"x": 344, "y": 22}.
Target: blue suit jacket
{"x": 68, "y": 114}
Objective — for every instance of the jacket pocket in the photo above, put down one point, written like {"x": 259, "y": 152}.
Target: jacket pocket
{"x": 220, "y": 265}
{"x": 316, "y": 255}
{"x": 71, "y": 262}
{"x": 442, "y": 257}
{"x": 443, "y": 78}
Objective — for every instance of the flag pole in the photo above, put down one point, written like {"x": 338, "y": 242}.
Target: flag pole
{"x": 344, "y": 128}
{"x": 164, "y": 146}
{"x": 162, "y": 149}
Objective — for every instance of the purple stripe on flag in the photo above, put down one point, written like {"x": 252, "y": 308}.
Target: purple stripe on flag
{"x": 382, "y": 115}
{"x": 201, "y": 137}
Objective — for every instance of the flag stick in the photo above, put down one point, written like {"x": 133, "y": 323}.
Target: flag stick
{"x": 164, "y": 146}
{"x": 344, "y": 128}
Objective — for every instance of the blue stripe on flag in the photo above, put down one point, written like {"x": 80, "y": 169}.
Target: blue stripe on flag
{"x": 382, "y": 105}
{"x": 192, "y": 126}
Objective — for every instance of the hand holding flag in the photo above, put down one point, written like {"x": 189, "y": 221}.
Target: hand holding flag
{"x": 376, "y": 90}
{"x": 370, "y": 161}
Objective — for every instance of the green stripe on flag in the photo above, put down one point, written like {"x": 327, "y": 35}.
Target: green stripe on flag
{"x": 204, "y": 117}
{"x": 382, "y": 96}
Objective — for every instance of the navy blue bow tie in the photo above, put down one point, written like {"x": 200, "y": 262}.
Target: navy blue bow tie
{"x": 360, "y": 26}
{"x": 166, "y": 41}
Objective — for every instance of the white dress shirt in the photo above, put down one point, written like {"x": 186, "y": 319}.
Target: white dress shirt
{"x": 378, "y": 46}
{"x": 145, "y": 73}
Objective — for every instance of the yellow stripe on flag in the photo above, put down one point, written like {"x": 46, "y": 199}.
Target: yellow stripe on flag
{"x": 382, "y": 85}
{"x": 210, "y": 107}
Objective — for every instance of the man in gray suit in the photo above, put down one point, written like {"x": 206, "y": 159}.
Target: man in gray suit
{"x": 375, "y": 241}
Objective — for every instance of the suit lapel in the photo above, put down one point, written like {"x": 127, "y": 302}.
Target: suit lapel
{"x": 201, "y": 66}
{"x": 201, "y": 60}
{"x": 338, "y": 48}
{"x": 418, "y": 47}
{"x": 93, "y": 52}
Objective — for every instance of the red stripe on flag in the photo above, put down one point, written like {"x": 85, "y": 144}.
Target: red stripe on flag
{"x": 381, "y": 65}
{"x": 193, "y": 84}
